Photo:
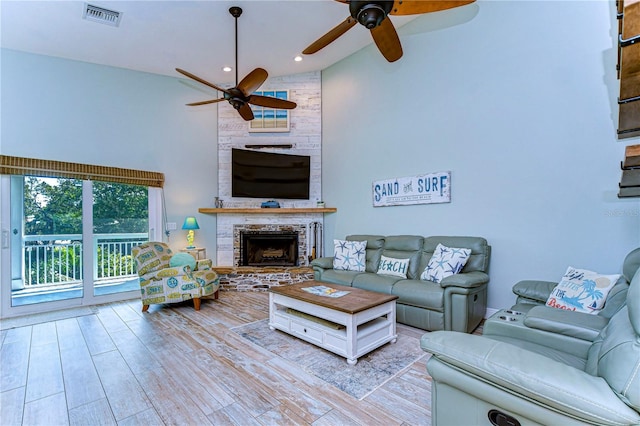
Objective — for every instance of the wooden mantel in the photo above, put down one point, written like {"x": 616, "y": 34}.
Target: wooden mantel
{"x": 295, "y": 210}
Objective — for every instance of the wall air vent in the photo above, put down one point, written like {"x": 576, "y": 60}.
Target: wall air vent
{"x": 102, "y": 15}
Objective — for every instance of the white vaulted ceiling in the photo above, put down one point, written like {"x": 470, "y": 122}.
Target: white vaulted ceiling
{"x": 198, "y": 36}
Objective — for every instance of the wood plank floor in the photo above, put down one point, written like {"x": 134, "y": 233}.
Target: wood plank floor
{"x": 176, "y": 366}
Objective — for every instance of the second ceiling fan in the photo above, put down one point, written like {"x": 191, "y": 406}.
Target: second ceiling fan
{"x": 372, "y": 14}
{"x": 242, "y": 95}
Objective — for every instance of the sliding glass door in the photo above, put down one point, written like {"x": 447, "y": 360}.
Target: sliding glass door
{"x": 46, "y": 236}
{"x": 69, "y": 241}
{"x": 120, "y": 222}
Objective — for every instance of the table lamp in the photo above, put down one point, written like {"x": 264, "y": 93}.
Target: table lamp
{"x": 190, "y": 223}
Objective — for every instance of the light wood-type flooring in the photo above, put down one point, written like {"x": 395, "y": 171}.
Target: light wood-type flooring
{"x": 113, "y": 364}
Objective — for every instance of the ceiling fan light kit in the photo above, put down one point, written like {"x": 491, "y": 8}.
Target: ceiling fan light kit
{"x": 241, "y": 96}
{"x": 372, "y": 14}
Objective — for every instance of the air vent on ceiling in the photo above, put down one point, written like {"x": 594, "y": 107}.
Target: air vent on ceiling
{"x": 102, "y": 15}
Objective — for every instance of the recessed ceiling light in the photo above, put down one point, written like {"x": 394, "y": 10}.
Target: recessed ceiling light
{"x": 226, "y": 69}
{"x": 298, "y": 58}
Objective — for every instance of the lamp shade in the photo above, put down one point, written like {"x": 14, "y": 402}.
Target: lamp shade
{"x": 190, "y": 222}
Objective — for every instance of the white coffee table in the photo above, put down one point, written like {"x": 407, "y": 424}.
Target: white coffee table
{"x": 350, "y": 326}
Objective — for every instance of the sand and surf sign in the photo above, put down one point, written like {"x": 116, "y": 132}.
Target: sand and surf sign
{"x": 422, "y": 189}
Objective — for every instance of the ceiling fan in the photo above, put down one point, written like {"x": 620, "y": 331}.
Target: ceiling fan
{"x": 373, "y": 15}
{"x": 242, "y": 95}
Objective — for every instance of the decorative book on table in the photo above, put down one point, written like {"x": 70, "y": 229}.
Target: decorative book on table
{"x": 321, "y": 290}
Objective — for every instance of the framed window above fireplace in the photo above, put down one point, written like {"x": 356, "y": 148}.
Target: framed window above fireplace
{"x": 269, "y": 119}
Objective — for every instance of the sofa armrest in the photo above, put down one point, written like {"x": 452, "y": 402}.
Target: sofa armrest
{"x": 534, "y": 289}
{"x": 530, "y": 375}
{"x": 569, "y": 323}
{"x": 322, "y": 262}
{"x": 204, "y": 264}
{"x": 465, "y": 280}
{"x": 166, "y": 273}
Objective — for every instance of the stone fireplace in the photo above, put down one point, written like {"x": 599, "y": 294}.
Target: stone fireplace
{"x": 303, "y": 138}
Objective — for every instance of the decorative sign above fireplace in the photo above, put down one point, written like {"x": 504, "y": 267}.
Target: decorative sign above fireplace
{"x": 422, "y": 189}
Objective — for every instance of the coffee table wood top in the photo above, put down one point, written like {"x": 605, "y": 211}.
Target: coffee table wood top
{"x": 357, "y": 300}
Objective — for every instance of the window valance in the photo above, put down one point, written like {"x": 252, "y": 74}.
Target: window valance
{"x": 57, "y": 169}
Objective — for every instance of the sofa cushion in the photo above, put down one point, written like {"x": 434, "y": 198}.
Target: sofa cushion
{"x": 349, "y": 255}
{"x": 405, "y": 247}
{"x": 480, "y": 251}
{"x": 339, "y": 277}
{"x": 393, "y": 267}
{"x": 375, "y": 244}
{"x": 555, "y": 354}
{"x": 582, "y": 290}
{"x": 446, "y": 261}
{"x": 375, "y": 282}
{"x": 422, "y": 294}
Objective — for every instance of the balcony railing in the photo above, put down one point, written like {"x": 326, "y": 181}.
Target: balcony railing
{"x": 51, "y": 260}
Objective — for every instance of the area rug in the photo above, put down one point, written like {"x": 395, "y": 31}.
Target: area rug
{"x": 372, "y": 370}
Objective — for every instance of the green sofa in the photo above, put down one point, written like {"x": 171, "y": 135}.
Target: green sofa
{"x": 457, "y": 303}
{"x": 486, "y": 380}
{"x": 572, "y": 332}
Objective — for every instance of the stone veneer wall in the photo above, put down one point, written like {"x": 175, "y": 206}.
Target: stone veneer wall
{"x": 305, "y": 136}
{"x": 246, "y": 278}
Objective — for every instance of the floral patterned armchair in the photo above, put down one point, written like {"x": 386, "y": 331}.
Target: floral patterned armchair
{"x": 162, "y": 283}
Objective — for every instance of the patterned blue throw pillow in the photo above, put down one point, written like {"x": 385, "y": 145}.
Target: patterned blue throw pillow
{"x": 349, "y": 255}
{"x": 582, "y": 290}
{"x": 446, "y": 261}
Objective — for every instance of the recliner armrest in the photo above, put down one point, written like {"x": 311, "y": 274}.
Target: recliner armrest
{"x": 531, "y": 375}
{"x": 323, "y": 262}
{"x": 466, "y": 280}
{"x": 534, "y": 289}
{"x": 569, "y": 323}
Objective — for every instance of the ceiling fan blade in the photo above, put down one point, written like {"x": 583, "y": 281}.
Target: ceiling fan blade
{"x": 245, "y": 112}
{"x": 387, "y": 40}
{"x": 329, "y": 37}
{"x": 269, "y": 102}
{"x": 199, "y": 80}
{"x": 252, "y": 81}
{"x": 213, "y": 101}
{"x": 414, "y": 7}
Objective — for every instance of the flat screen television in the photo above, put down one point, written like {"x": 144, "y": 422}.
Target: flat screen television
{"x": 256, "y": 174}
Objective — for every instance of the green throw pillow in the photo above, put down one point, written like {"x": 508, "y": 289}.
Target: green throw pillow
{"x": 182, "y": 259}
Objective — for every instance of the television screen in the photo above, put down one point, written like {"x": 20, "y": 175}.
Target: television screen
{"x": 256, "y": 174}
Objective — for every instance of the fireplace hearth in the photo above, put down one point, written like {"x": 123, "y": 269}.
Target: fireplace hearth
{"x": 268, "y": 248}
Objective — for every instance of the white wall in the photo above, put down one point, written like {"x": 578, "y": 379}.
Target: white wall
{"x": 78, "y": 112}
{"x": 518, "y": 101}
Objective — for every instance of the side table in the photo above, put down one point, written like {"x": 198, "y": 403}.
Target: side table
{"x": 198, "y": 253}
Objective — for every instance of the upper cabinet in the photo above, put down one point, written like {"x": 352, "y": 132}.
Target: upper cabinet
{"x": 629, "y": 68}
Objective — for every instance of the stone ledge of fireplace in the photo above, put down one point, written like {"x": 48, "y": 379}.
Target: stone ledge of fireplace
{"x": 248, "y": 278}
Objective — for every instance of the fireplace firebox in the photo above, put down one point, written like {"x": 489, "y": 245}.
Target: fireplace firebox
{"x": 268, "y": 248}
